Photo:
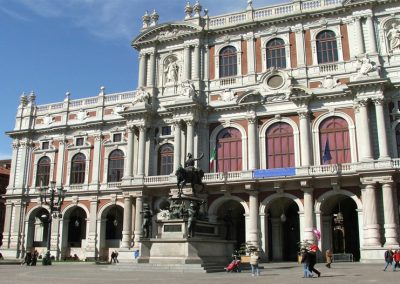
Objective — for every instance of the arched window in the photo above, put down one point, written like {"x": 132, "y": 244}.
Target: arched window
{"x": 78, "y": 165}
{"x": 166, "y": 159}
{"x": 276, "y": 56}
{"x": 43, "y": 172}
{"x": 115, "y": 166}
{"x": 229, "y": 150}
{"x": 334, "y": 141}
{"x": 227, "y": 62}
{"x": 398, "y": 140}
{"x": 326, "y": 47}
{"x": 280, "y": 146}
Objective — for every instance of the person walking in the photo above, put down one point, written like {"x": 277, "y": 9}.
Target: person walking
{"x": 396, "y": 259}
{"x": 255, "y": 271}
{"x": 305, "y": 260}
{"x": 313, "y": 259}
{"x": 388, "y": 259}
{"x": 328, "y": 256}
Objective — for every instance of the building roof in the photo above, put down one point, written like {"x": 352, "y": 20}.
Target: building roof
{"x": 4, "y": 171}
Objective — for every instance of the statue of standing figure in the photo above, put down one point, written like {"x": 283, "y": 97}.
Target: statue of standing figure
{"x": 146, "y": 226}
{"x": 394, "y": 37}
{"x": 192, "y": 217}
{"x": 171, "y": 71}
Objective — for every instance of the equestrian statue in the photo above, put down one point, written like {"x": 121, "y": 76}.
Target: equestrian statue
{"x": 189, "y": 174}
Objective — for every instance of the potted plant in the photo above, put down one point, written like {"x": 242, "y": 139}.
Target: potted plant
{"x": 303, "y": 245}
{"x": 245, "y": 250}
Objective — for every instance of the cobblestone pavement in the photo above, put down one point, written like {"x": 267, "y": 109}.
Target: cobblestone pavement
{"x": 74, "y": 273}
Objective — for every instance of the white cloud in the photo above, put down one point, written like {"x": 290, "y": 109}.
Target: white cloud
{"x": 117, "y": 19}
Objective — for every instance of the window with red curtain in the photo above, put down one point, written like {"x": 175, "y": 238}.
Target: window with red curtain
{"x": 78, "y": 165}
{"x": 43, "y": 172}
{"x": 280, "y": 146}
{"x": 229, "y": 150}
{"x": 337, "y": 131}
{"x": 398, "y": 140}
{"x": 166, "y": 159}
{"x": 115, "y": 166}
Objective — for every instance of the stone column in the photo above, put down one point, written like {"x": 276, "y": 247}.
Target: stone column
{"x": 127, "y": 229}
{"x": 252, "y": 149}
{"x": 92, "y": 234}
{"x": 138, "y": 221}
{"x": 142, "y": 70}
{"x": 305, "y": 141}
{"x": 389, "y": 210}
{"x": 129, "y": 155}
{"x": 142, "y": 149}
{"x": 206, "y": 63}
{"x": 23, "y": 164}
{"x": 177, "y": 145}
{"x": 190, "y": 136}
{"x": 7, "y": 224}
{"x": 253, "y": 217}
{"x": 187, "y": 65}
{"x": 60, "y": 162}
{"x": 251, "y": 54}
{"x": 371, "y": 226}
{"x": 359, "y": 35}
{"x": 371, "y": 33}
{"x": 96, "y": 162}
{"x": 15, "y": 236}
{"x": 301, "y": 53}
{"x": 277, "y": 239}
{"x": 364, "y": 132}
{"x": 152, "y": 66}
{"x": 14, "y": 157}
{"x": 308, "y": 214}
{"x": 196, "y": 67}
{"x": 381, "y": 128}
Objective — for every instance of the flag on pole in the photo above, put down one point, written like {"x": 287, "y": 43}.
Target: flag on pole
{"x": 212, "y": 158}
{"x": 327, "y": 152}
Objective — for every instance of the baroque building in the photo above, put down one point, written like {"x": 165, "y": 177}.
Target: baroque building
{"x": 295, "y": 107}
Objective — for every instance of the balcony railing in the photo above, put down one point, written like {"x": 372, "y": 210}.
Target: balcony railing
{"x": 245, "y": 176}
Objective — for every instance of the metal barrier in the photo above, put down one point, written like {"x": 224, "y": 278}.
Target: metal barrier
{"x": 342, "y": 257}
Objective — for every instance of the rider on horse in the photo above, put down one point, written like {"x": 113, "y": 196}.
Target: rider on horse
{"x": 189, "y": 163}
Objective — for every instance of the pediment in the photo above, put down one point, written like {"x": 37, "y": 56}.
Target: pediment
{"x": 165, "y": 32}
{"x": 249, "y": 97}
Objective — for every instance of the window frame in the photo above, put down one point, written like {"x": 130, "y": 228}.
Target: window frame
{"x": 230, "y": 68}
{"x": 271, "y": 47}
{"x": 165, "y": 159}
{"x": 327, "y": 51}
{"x": 39, "y": 172}
{"x": 119, "y": 163}
{"x": 78, "y": 177}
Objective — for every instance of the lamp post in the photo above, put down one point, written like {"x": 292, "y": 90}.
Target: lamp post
{"x": 55, "y": 208}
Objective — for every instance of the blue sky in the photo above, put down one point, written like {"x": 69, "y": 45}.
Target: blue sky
{"x": 56, "y": 46}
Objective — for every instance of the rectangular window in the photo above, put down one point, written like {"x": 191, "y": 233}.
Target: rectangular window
{"x": 45, "y": 145}
{"x": 117, "y": 137}
{"x": 79, "y": 141}
{"x": 166, "y": 130}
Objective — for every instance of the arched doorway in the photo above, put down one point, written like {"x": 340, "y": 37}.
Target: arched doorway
{"x": 38, "y": 228}
{"x": 111, "y": 230}
{"x": 231, "y": 216}
{"x": 339, "y": 226}
{"x": 74, "y": 233}
{"x": 283, "y": 230}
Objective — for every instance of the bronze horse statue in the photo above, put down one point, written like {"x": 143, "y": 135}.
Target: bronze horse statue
{"x": 184, "y": 176}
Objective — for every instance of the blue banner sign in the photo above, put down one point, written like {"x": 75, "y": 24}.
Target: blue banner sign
{"x": 279, "y": 172}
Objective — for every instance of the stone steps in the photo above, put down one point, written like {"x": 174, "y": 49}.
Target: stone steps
{"x": 165, "y": 267}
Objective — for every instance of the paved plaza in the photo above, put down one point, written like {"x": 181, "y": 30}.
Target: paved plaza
{"x": 74, "y": 273}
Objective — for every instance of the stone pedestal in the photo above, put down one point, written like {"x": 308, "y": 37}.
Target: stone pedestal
{"x": 186, "y": 251}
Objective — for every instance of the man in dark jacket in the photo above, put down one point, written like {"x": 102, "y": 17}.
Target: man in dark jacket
{"x": 389, "y": 259}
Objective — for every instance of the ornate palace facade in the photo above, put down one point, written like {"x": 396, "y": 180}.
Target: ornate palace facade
{"x": 295, "y": 107}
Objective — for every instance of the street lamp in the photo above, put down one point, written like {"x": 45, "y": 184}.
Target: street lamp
{"x": 55, "y": 200}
